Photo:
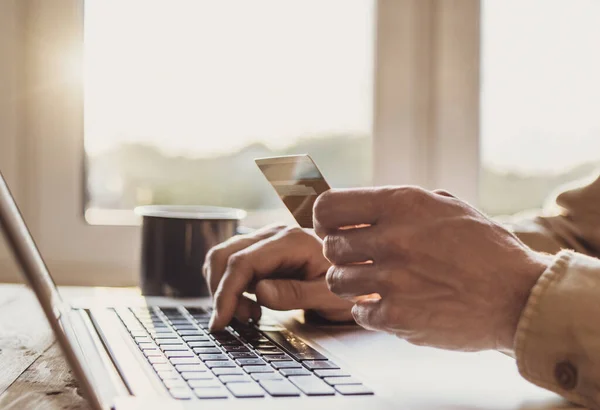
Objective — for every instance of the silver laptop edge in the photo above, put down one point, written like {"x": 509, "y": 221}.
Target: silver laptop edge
{"x": 56, "y": 310}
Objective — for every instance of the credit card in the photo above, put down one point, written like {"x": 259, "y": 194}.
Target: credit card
{"x": 298, "y": 182}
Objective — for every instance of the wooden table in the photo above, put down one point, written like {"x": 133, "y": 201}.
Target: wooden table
{"x": 33, "y": 372}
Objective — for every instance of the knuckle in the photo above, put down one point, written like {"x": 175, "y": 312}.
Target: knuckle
{"x": 236, "y": 261}
{"x": 384, "y": 279}
{"x": 216, "y": 254}
{"x": 296, "y": 291}
{"x": 415, "y": 195}
{"x": 211, "y": 257}
{"x": 334, "y": 279}
{"x": 331, "y": 245}
{"x": 293, "y": 231}
{"x": 264, "y": 298}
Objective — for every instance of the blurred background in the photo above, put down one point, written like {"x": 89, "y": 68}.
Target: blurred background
{"x": 220, "y": 99}
{"x": 110, "y": 104}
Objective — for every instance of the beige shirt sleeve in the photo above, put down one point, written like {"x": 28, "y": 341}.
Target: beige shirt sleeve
{"x": 557, "y": 344}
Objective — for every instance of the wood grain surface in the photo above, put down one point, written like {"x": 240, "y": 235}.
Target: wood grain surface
{"x": 33, "y": 373}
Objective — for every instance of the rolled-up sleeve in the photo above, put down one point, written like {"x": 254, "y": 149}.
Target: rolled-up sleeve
{"x": 557, "y": 344}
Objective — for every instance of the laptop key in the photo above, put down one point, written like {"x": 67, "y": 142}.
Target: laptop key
{"x": 211, "y": 393}
{"x": 196, "y": 367}
{"x": 286, "y": 365}
{"x": 168, "y": 374}
{"x": 277, "y": 358}
{"x": 294, "y": 346}
{"x": 147, "y": 346}
{"x": 152, "y": 352}
{"x": 245, "y": 390}
{"x": 331, "y": 373}
{"x": 196, "y": 338}
{"x": 206, "y": 350}
{"x": 235, "y": 348}
{"x": 138, "y": 333}
{"x": 295, "y": 372}
{"x": 196, "y": 310}
{"x": 195, "y": 383}
{"x": 197, "y": 376}
{"x": 230, "y": 342}
{"x": 319, "y": 364}
{"x": 190, "y": 333}
{"x": 174, "y": 347}
{"x": 250, "y": 362}
{"x": 221, "y": 371}
{"x": 205, "y": 357}
{"x": 143, "y": 339}
{"x": 162, "y": 367}
{"x": 266, "y": 376}
{"x": 234, "y": 378}
{"x": 267, "y": 346}
{"x": 157, "y": 359}
{"x": 263, "y": 352}
{"x": 167, "y": 341}
{"x": 220, "y": 363}
{"x": 184, "y": 360}
{"x": 353, "y": 389}
{"x": 258, "y": 369}
{"x": 279, "y": 388}
{"x": 207, "y": 343}
{"x": 161, "y": 334}
{"x": 312, "y": 385}
{"x": 179, "y": 353}
{"x": 174, "y": 383}
{"x": 181, "y": 394}
{"x": 184, "y": 327}
{"x": 243, "y": 355}
{"x": 258, "y": 341}
{"x": 334, "y": 381}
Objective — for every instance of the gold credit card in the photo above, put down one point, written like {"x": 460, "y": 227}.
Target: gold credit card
{"x": 298, "y": 182}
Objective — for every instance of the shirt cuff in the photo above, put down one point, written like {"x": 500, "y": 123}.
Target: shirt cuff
{"x": 557, "y": 343}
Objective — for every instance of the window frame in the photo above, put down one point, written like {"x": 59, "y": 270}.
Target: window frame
{"x": 425, "y": 123}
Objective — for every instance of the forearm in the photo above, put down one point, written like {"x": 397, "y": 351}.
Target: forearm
{"x": 573, "y": 222}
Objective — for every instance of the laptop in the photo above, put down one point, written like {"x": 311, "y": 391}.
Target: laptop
{"x": 160, "y": 353}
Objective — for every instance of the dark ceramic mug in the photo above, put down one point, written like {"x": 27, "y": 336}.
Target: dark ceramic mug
{"x": 175, "y": 241}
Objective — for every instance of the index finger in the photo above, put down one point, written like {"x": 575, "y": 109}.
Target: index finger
{"x": 339, "y": 208}
{"x": 280, "y": 252}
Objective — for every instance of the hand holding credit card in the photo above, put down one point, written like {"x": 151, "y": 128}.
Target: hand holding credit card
{"x": 299, "y": 182}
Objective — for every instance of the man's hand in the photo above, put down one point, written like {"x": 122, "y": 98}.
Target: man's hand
{"x": 447, "y": 276}
{"x": 285, "y": 269}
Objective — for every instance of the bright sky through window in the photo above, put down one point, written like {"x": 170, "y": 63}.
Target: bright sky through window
{"x": 201, "y": 77}
{"x": 540, "y": 84}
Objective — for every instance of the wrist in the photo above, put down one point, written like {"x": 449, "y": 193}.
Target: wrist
{"x": 525, "y": 280}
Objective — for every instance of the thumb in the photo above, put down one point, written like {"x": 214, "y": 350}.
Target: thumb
{"x": 288, "y": 294}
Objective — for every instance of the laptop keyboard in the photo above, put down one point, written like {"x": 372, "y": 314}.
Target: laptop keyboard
{"x": 241, "y": 361}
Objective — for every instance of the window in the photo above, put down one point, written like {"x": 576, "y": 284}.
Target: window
{"x": 420, "y": 59}
{"x": 182, "y": 95}
{"x": 540, "y": 99}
